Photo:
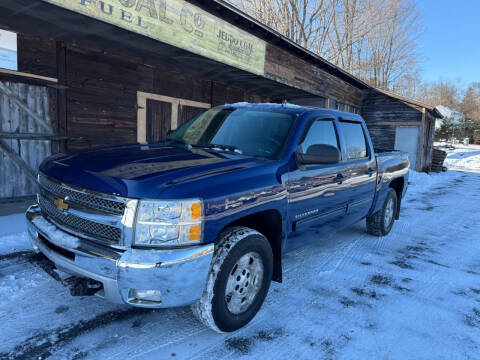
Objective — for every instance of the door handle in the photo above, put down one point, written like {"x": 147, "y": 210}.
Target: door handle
{"x": 370, "y": 171}
{"x": 339, "y": 178}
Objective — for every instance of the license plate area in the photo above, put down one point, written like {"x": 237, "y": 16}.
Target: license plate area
{"x": 59, "y": 250}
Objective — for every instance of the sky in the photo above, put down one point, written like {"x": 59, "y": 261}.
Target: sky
{"x": 451, "y": 41}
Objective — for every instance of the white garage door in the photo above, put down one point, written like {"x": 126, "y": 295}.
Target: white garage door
{"x": 406, "y": 139}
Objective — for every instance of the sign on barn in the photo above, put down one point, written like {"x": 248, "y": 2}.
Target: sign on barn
{"x": 181, "y": 24}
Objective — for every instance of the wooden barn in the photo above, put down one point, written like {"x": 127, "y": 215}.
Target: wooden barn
{"x": 78, "y": 74}
{"x": 398, "y": 123}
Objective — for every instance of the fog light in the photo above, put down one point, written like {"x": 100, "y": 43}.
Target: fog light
{"x": 145, "y": 295}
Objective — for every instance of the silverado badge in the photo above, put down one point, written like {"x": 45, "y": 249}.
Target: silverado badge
{"x": 60, "y": 204}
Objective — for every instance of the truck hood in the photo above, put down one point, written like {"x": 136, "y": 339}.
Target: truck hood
{"x": 141, "y": 171}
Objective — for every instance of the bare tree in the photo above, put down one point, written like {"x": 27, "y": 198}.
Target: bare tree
{"x": 470, "y": 104}
{"x": 372, "y": 39}
{"x": 441, "y": 92}
{"x": 392, "y": 52}
{"x": 303, "y": 21}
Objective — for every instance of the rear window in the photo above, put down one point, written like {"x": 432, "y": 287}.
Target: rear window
{"x": 356, "y": 145}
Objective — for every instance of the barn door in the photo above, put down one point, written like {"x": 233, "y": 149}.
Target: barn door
{"x": 159, "y": 115}
{"x": 186, "y": 112}
{"x": 406, "y": 139}
{"x": 25, "y": 137}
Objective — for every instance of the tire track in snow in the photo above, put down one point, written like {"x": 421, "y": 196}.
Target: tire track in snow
{"x": 16, "y": 255}
{"x": 343, "y": 254}
{"x": 427, "y": 252}
{"x": 13, "y": 263}
{"x": 46, "y": 343}
{"x": 299, "y": 276}
{"x": 380, "y": 244}
{"x": 296, "y": 270}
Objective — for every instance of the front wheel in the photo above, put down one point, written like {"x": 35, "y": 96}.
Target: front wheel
{"x": 238, "y": 280}
{"x": 381, "y": 222}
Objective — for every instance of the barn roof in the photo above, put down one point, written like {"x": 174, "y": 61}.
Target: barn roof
{"x": 433, "y": 110}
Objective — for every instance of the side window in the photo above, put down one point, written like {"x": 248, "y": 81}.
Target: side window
{"x": 320, "y": 132}
{"x": 356, "y": 145}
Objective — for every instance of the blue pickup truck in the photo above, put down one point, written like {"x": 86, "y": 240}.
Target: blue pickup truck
{"x": 203, "y": 218}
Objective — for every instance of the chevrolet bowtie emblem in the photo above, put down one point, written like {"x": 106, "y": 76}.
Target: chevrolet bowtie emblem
{"x": 60, "y": 204}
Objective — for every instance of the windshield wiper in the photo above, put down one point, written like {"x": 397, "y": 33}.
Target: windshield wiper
{"x": 180, "y": 141}
{"x": 225, "y": 147}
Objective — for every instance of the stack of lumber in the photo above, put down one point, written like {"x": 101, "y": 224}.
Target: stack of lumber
{"x": 476, "y": 137}
{"x": 438, "y": 157}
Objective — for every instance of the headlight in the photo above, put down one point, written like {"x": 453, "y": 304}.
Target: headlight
{"x": 169, "y": 223}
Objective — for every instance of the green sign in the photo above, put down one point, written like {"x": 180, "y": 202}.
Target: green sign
{"x": 181, "y": 24}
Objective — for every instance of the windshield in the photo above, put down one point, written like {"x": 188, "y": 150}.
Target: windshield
{"x": 254, "y": 132}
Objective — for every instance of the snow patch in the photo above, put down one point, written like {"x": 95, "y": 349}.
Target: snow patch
{"x": 14, "y": 243}
{"x": 12, "y": 224}
{"x": 55, "y": 235}
{"x": 272, "y": 105}
{"x": 14, "y": 285}
{"x": 463, "y": 158}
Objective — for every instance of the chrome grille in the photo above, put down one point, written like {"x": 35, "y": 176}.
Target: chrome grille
{"x": 82, "y": 198}
{"x": 106, "y": 233}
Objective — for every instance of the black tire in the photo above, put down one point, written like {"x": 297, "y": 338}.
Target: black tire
{"x": 376, "y": 224}
{"x": 212, "y": 309}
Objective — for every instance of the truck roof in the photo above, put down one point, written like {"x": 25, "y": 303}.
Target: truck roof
{"x": 292, "y": 108}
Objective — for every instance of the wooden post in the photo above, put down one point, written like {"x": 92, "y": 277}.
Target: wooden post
{"x": 420, "y": 157}
{"x": 62, "y": 93}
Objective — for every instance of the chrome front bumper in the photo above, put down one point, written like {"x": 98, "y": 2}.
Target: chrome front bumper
{"x": 179, "y": 274}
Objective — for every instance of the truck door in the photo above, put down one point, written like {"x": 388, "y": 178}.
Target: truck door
{"x": 316, "y": 194}
{"x": 361, "y": 171}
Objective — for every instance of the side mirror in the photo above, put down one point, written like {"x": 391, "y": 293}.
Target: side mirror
{"x": 319, "y": 154}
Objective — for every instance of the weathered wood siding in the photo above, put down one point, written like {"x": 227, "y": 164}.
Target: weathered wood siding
{"x": 37, "y": 56}
{"x": 102, "y": 99}
{"x": 383, "y": 136}
{"x": 222, "y": 94}
{"x": 286, "y": 68}
{"x": 180, "y": 86}
{"x": 13, "y": 181}
{"x": 101, "y": 90}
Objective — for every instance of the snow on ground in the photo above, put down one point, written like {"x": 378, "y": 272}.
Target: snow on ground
{"x": 414, "y": 294}
{"x": 464, "y": 158}
{"x": 13, "y": 237}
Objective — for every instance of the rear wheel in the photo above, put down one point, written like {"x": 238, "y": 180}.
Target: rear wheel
{"x": 381, "y": 222}
{"x": 238, "y": 280}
